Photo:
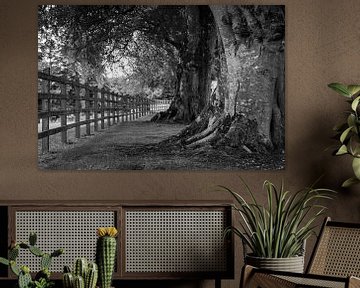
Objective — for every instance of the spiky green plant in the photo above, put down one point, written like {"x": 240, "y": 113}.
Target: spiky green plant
{"x": 84, "y": 273}
{"x": 279, "y": 229}
{"x": 42, "y": 278}
{"x": 106, "y": 254}
{"x": 348, "y": 132}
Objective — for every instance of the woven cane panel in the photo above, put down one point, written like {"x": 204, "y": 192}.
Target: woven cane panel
{"x": 74, "y": 231}
{"x": 338, "y": 253}
{"x": 308, "y": 282}
{"x": 175, "y": 241}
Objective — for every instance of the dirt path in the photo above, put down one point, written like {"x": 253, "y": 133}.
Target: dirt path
{"x": 140, "y": 145}
{"x": 102, "y": 150}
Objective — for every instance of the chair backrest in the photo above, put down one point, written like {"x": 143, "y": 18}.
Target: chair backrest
{"x": 337, "y": 251}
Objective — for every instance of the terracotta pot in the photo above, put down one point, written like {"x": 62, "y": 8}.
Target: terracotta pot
{"x": 291, "y": 264}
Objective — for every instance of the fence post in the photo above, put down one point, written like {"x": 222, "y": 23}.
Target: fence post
{"x": 45, "y": 88}
{"x": 133, "y": 105}
{"x": 77, "y": 109}
{"x": 87, "y": 109}
{"x": 102, "y": 109}
{"x": 118, "y": 106}
{"x": 108, "y": 108}
{"x": 113, "y": 107}
{"x": 136, "y": 98}
{"x": 96, "y": 108}
{"x": 121, "y": 107}
{"x": 128, "y": 108}
{"x": 63, "y": 117}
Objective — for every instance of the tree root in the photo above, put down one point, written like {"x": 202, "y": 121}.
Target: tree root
{"x": 213, "y": 124}
{"x": 204, "y": 140}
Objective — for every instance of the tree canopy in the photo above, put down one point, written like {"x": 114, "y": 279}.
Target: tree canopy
{"x": 222, "y": 65}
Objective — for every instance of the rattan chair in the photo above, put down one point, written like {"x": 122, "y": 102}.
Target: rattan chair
{"x": 334, "y": 263}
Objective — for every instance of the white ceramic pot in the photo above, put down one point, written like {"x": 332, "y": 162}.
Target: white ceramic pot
{"x": 291, "y": 264}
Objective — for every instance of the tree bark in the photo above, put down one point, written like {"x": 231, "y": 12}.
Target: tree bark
{"x": 194, "y": 68}
{"x": 255, "y": 70}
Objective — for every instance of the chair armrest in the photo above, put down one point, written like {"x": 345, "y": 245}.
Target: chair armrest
{"x": 255, "y": 277}
{"x": 354, "y": 282}
{"x": 252, "y": 277}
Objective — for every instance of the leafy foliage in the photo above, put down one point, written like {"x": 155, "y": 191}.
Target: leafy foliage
{"x": 279, "y": 229}
{"x": 348, "y": 132}
{"x": 89, "y": 42}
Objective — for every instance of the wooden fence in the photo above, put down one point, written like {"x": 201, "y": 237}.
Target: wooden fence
{"x": 78, "y": 105}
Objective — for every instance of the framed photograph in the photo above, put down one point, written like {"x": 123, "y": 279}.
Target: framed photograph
{"x": 137, "y": 87}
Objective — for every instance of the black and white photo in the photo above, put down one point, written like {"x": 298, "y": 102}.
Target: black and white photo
{"x": 139, "y": 87}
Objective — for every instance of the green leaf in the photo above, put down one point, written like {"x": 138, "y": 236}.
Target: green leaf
{"x": 355, "y": 103}
{"x": 356, "y": 167}
{"x": 340, "y": 89}
{"x": 14, "y": 268}
{"x": 349, "y": 182}
{"x": 353, "y": 89}
{"x": 345, "y": 134}
{"x": 351, "y": 120}
{"x": 354, "y": 145}
{"x": 4, "y": 261}
{"x": 342, "y": 150}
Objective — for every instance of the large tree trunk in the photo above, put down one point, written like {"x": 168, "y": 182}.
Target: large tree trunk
{"x": 241, "y": 56}
{"x": 193, "y": 83}
{"x": 255, "y": 68}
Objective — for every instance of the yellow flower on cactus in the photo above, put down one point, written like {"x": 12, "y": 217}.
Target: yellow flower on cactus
{"x": 106, "y": 231}
{"x": 25, "y": 269}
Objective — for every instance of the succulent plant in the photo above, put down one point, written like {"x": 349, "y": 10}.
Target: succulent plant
{"x": 42, "y": 278}
{"x": 79, "y": 282}
{"x": 85, "y": 275}
{"x": 91, "y": 275}
{"x": 106, "y": 254}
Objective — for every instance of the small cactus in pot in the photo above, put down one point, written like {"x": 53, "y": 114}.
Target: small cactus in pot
{"x": 85, "y": 275}
{"x": 106, "y": 254}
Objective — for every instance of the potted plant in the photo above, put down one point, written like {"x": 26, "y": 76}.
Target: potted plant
{"x": 42, "y": 278}
{"x": 84, "y": 274}
{"x": 276, "y": 233}
{"x": 348, "y": 132}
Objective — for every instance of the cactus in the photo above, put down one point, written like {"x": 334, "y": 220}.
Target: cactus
{"x": 80, "y": 267}
{"x": 43, "y": 274}
{"x": 88, "y": 273}
{"x": 67, "y": 269}
{"x": 79, "y": 282}
{"x": 13, "y": 253}
{"x": 24, "y": 278}
{"x": 32, "y": 238}
{"x": 68, "y": 280}
{"x": 45, "y": 261}
{"x": 36, "y": 251}
{"x": 91, "y": 276}
{"x": 14, "y": 268}
{"x": 105, "y": 254}
{"x": 4, "y": 261}
{"x": 57, "y": 253}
